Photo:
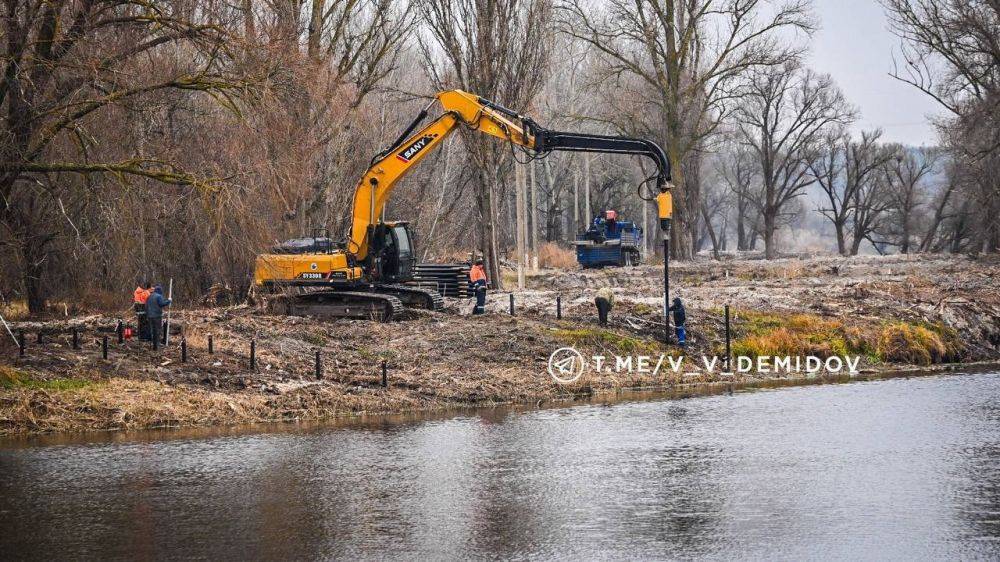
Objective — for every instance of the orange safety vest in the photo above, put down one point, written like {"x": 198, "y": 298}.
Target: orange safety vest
{"x": 141, "y": 295}
{"x": 477, "y": 273}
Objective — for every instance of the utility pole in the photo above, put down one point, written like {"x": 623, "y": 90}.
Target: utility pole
{"x": 534, "y": 217}
{"x": 576, "y": 203}
{"x": 521, "y": 220}
{"x": 588, "y": 213}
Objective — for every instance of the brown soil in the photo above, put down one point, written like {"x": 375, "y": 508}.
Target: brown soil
{"x": 448, "y": 359}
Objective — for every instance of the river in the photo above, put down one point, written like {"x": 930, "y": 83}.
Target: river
{"x": 897, "y": 468}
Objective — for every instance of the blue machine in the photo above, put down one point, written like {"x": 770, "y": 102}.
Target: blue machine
{"x": 609, "y": 241}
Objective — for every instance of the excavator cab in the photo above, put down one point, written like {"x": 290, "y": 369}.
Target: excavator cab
{"x": 391, "y": 255}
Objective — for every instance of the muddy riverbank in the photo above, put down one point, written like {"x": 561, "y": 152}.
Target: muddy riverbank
{"x": 890, "y": 312}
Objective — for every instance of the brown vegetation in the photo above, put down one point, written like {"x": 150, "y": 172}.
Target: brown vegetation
{"x": 450, "y": 359}
{"x": 178, "y": 138}
{"x": 553, "y": 255}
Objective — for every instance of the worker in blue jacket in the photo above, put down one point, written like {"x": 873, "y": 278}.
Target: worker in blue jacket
{"x": 154, "y": 314}
{"x": 680, "y": 317}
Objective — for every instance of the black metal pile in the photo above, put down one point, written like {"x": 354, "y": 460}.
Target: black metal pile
{"x": 448, "y": 279}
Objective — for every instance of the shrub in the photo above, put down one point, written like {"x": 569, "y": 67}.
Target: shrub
{"x": 905, "y": 343}
{"x": 551, "y": 254}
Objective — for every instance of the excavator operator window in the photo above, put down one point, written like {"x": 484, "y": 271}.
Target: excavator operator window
{"x": 402, "y": 240}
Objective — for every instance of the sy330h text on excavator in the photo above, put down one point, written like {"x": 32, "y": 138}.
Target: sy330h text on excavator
{"x": 364, "y": 276}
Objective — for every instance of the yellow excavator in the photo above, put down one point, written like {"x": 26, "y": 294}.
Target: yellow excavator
{"x": 364, "y": 277}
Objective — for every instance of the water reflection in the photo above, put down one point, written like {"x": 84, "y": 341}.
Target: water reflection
{"x": 900, "y": 468}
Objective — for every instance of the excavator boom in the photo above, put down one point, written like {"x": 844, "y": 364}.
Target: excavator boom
{"x": 364, "y": 279}
{"x": 461, "y": 108}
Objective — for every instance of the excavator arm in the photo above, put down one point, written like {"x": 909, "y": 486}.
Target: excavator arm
{"x": 464, "y": 109}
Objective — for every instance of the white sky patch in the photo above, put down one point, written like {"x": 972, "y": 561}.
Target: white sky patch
{"x": 855, "y": 46}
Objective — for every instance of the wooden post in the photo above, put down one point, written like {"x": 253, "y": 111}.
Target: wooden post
{"x": 211, "y": 347}
{"x": 184, "y": 349}
{"x": 20, "y": 343}
{"x": 512, "y": 304}
{"x": 38, "y": 337}
{"x": 76, "y": 338}
{"x": 120, "y": 332}
{"x": 253, "y": 355}
{"x": 558, "y": 307}
{"x": 385, "y": 375}
{"x": 104, "y": 348}
{"x": 319, "y": 366}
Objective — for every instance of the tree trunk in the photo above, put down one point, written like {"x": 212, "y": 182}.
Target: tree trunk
{"x": 711, "y": 232}
{"x": 742, "y": 244}
{"x": 856, "y": 244}
{"x": 494, "y": 239}
{"x": 680, "y": 234}
{"x": 488, "y": 246}
{"x": 315, "y": 29}
{"x": 925, "y": 244}
{"x": 34, "y": 258}
{"x": 770, "y": 251}
{"x": 904, "y": 245}
{"x": 838, "y": 226}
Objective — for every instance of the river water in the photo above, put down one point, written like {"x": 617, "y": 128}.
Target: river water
{"x": 898, "y": 469}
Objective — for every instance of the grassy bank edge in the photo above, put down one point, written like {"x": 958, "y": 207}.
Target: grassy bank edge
{"x": 118, "y": 405}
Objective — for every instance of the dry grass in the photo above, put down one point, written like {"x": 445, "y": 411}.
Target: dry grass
{"x": 805, "y": 334}
{"x": 121, "y": 404}
{"x": 606, "y": 340}
{"x": 553, "y": 255}
{"x": 918, "y": 345}
{"x": 14, "y": 311}
{"x": 445, "y": 360}
{"x": 799, "y": 334}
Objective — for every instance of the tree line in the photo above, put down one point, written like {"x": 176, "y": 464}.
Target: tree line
{"x": 179, "y": 138}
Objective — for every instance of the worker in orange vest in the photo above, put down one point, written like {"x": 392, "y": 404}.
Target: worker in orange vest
{"x": 139, "y": 298}
{"x": 477, "y": 277}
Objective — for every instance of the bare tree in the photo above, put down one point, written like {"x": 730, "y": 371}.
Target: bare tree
{"x": 686, "y": 56}
{"x": 905, "y": 177}
{"x": 783, "y": 113}
{"x": 497, "y": 49}
{"x": 950, "y": 52}
{"x": 67, "y": 65}
{"x": 738, "y": 169}
{"x": 844, "y": 169}
{"x": 716, "y": 205}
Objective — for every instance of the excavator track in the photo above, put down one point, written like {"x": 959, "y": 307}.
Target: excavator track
{"x": 413, "y": 296}
{"x": 330, "y": 303}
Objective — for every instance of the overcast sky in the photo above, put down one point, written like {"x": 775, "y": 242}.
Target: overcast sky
{"x": 855, "y": 46}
